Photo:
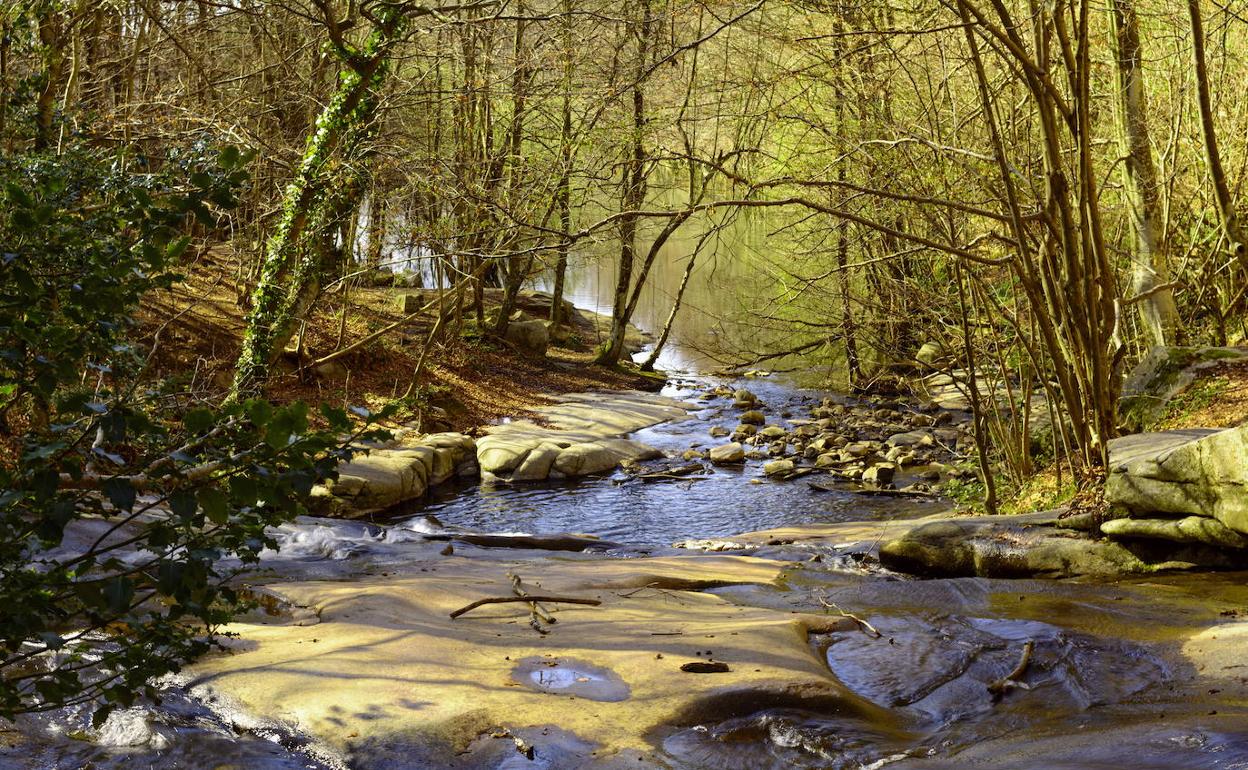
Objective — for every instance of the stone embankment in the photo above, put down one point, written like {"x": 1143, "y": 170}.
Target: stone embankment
{"x": 578, "y": 435}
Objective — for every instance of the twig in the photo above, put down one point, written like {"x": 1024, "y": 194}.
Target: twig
{"x": 1011, "y": 680}
{"x": 537, "y": 614}
{"x": 513, "y": 599}
{"x": 863, "y": 625}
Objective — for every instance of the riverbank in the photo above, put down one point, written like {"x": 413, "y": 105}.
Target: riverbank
{"x": 194, "y": 330}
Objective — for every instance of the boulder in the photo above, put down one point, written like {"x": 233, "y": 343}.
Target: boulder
{"x": 502, "y": 453}
{"x": 932, "y": 355}
{"x": 531, "y": 337}
{"x": 1002, "y": 547}
{"x": 331, "y": 371}
{"x": 753, "y": 417}
{"x": 1163, "y": 374}
{"x": 727, "y": 453}
{"x": 585, "y": 459}
{"x": 601, "y": 456}
{"x": 411, "y": 302}
{"x": 380, "y": 480}
{"x": 1201, "y": 472}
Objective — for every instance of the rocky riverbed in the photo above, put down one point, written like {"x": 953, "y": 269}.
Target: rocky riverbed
{"x": 720, "y": 590}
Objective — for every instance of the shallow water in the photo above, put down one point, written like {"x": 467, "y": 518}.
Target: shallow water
{"x": 660, "y": 513}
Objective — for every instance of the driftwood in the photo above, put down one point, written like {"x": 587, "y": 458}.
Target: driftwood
{"x": 526, "y": 599}
{"x": 895, "y": 493}
{"x": 537, "y": 542}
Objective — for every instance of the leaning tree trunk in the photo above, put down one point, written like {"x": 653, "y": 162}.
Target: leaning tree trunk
{"x": 326, "y": 183}
{"x": 1150, "y": 271}
{"x": 1231, "y": 225}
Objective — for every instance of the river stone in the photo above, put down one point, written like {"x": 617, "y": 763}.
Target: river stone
{"x": 880, "y": 474}
{"x": 536, "y": 466}
{"x": 718, "y": 431}
{"x": 779, "y": 467}
{"x": 910, "y": 438}
{"x": 753, "y": 417}
{"x": 727, "y": 453}
{"x": 745, "y": 430}
{"x": 1200, "y": 471}
{"x": 1192, "y": 529}
{"x": 827, "y": 460}
{"x": 857, "y": 449}
{"x": 743, "y": 398}
{"x": 772, "y": 432}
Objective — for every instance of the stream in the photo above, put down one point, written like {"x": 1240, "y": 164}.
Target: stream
{"x": 1107, "y": 685}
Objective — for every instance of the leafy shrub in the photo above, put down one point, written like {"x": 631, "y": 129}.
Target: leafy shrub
{"x": 117, "y": 507}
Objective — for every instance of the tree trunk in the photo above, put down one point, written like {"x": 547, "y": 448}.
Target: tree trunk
{"x": 1149, "y": 267}
{"x": 1221, "y": 190}
{"x": 632, "y": 196}
{"x": 313, "y": 206}
{"x": 564, "y": 193}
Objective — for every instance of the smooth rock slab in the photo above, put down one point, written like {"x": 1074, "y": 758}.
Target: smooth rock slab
{"x": 586, "y": 427}
{"x": 1192, "y": 529}
{"x": 1002, "y": 547}
{"x": 1202, "y": 472}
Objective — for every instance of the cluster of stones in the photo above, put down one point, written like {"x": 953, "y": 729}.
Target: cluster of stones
{"x": 862, "y": 443}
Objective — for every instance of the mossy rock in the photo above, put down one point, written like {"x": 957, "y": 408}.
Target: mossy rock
{"x": 1163, "y": 374}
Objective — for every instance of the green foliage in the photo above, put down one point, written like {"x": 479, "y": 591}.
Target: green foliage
{"x": 118, "y": 506}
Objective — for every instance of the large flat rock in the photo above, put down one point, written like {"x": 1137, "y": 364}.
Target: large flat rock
{"x": 388, "y": 672}
{"x": 1201, "y": 472}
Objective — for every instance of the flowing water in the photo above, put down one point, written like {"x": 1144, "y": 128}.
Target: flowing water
{"x": 1106, "y": 685}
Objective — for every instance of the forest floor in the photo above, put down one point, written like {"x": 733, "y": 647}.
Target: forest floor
{"x": 194, "y": 330}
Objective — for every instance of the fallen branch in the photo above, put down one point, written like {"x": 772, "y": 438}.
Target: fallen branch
{"x": 526, "y": 599}
{"x": 537, "y": 613}
{"x": 1011, "y": 680}
{"x": 863, "y": 625}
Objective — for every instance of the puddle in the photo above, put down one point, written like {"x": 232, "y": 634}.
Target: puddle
{"x": 570, "y": 677}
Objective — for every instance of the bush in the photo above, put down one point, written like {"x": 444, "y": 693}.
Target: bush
{"x": 118, "y": 505}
